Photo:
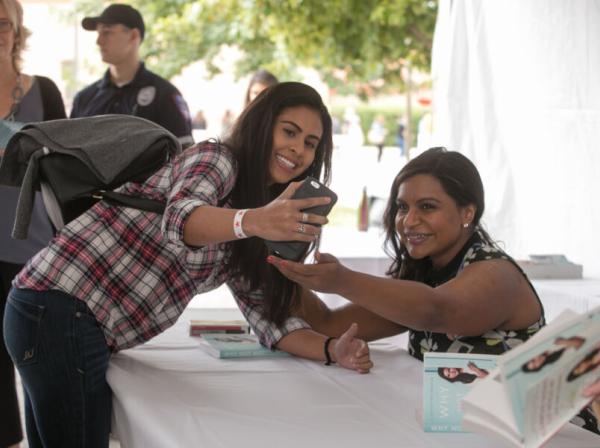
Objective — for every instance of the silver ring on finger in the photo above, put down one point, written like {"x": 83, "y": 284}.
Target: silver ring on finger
{"x": 301, "y": 227}
{"x": 304, "y": 217}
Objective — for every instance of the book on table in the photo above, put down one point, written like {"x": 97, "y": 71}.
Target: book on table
{"x": 447, "y": 377}
{"x": 202, "y": 326}
{"x": 237, "y": 346}
{"x": 537, "y": 386}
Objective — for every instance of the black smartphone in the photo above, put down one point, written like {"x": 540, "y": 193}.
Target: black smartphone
{"x": 310, "y": 188}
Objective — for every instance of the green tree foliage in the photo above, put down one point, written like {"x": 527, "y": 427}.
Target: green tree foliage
{"x": 355, "y": 44}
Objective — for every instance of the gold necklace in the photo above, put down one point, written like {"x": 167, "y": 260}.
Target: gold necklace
{"x": 17, "y": 95}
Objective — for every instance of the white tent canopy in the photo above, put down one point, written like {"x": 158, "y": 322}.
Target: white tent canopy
{"x": 517, "y": 90}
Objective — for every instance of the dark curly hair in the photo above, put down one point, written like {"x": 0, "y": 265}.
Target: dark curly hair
{"x": 459, "y": 179}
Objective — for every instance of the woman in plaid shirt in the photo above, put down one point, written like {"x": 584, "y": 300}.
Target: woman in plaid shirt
{"x": 115, "y": 277}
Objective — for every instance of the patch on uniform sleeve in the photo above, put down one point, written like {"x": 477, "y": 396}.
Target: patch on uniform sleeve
{"x": 182, "y": 106}
{"x": 146, "y": 95}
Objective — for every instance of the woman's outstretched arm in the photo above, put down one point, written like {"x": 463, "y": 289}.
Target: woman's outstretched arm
{"x": 333, "y": 322}
{"x": 494, "y": 291}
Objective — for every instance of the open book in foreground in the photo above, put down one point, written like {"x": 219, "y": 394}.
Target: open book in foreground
{"x": 537, "y": 386}
{"x": 447, "y": 377}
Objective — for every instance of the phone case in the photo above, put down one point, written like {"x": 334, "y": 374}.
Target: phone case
{"x": 310, "y": 188}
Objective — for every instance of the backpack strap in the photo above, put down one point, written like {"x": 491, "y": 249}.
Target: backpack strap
{"x": 148, "y": 205}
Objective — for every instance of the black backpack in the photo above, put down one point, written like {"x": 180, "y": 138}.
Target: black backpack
{"x": 77, "y": 162}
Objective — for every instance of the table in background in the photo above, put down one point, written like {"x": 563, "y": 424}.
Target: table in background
{"x": 170, "y": 393}
{"x": 580, "y": 295}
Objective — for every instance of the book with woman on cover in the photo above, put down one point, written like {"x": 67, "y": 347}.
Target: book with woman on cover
{"x": 447, "y": 377}
{"x": 537, "y": 386}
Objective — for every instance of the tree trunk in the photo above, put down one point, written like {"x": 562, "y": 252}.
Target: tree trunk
{"x": 408, "y": 129}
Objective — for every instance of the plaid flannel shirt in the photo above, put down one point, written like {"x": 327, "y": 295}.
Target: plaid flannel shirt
{"x": 132, "y": 267}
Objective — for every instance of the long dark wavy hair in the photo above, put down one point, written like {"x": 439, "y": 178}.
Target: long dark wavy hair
{"x": 549, "y": 358}
{"x": 251, "y": 141}
{"x": 462, "y": 377}
{"x": 460, "y": 180}
{"x": 573, "y": 376}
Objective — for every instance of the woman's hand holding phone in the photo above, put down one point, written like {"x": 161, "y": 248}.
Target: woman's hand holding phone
{"x": 283, "y": 218}
{"x": 301, "y": 211}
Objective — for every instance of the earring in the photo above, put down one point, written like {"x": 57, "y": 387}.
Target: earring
{"x": 465, "y": 225}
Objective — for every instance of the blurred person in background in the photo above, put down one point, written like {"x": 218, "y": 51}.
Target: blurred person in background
{"x": 128, "y": 87}
{"x": 259, "y": 82}
{"x": 377, "y": 134}
{"x": 227, "y": 121}
{"x": 23, "y": 98}
{"x": 400, "y": 135}
{"x": 199, "y": 121}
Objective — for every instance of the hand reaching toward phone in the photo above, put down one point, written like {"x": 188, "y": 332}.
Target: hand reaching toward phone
{"x": 350, "y": 352}
{"x": 325, "y": 275}
{"x": 283, "y": 219}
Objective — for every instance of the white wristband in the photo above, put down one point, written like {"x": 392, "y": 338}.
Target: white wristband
{"x": 237, "y": 224}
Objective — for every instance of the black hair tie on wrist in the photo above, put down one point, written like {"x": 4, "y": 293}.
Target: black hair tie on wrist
{"x": 328, "y": 361}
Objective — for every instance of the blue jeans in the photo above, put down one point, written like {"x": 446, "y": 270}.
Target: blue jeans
{"x": 60, "y": 352}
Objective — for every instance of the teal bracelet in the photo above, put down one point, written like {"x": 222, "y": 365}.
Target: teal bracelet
{"x": 328, "y": 361}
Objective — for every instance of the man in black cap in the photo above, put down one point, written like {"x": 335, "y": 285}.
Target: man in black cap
{"x": 127, "y": 86}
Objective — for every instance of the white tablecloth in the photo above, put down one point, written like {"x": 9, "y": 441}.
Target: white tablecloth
{"x": 170, "y": 393}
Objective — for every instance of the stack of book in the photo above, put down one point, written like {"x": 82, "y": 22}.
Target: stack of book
{"x": 237, "y": 346}
{"x": 198, "y": 327}
{"x": 229, "y": 339}
{"x": 550, "y": 266}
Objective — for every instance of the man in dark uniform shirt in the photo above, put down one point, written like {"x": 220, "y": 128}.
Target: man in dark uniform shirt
{"x": 127, "y": 87}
